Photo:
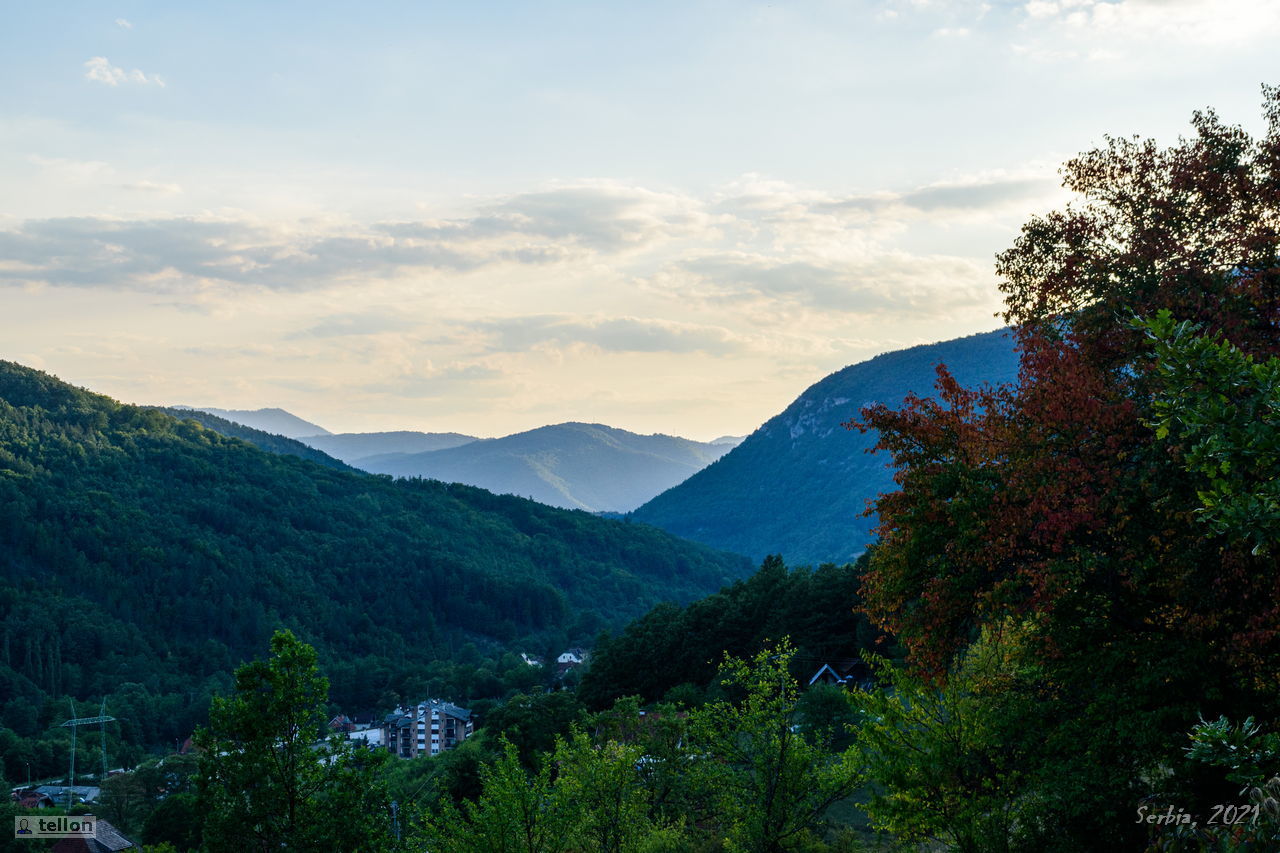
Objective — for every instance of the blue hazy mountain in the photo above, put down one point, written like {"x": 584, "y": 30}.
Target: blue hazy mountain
{"x": 351, "y": 447}
{"x": 798, "y": 485}
{"x": 572, "y": 465}
{"x": 275, "y": 421}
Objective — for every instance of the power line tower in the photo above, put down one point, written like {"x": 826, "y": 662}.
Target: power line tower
{"x": 75, "y": 723}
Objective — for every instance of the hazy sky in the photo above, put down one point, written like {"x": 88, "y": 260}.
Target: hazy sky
{"x": 484, "y": 217}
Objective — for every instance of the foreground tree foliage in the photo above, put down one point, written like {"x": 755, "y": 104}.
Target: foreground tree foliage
{"x": 769, "y": 787}
{"x": 735, "y": 775}
{"x": 1219, "y": 410}
{"x": 1055, "y": 504}
{"x": 268, "y": 780}
{"x": 951, "y": 764}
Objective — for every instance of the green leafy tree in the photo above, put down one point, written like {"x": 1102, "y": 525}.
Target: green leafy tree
{"x": 770, "y": 787}
{"x": 1250, "y": 758}
{"x": 605, "y": 785}
{"x": 1219, "y": 410}
{"x": 534, "y": 722}
{"x": 176, "y": 821}
{"x": 944, "y": 762}
{"x": 518, "y": 812}
{"x": 124, "y": 802}
{"x": 266, "y": 779}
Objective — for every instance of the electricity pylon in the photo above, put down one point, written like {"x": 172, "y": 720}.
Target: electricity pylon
{"x": 74, "y": 723}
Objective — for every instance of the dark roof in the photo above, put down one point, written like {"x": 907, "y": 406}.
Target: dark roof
{"x": 452, "y": 710}
{"x": 106, "y": 839}
{"x": 110, "y": 838}
{"x": 844, "y": 671}
{"x": 33, "y": 799}
{"x": 84, "y": 792}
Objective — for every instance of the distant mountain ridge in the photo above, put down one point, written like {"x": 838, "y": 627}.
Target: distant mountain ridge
{"x": 351, "y": 447}
{"x": 591, "y": 467}
{"x": 798, "y": 485}
{"x": 275, "y": 421}
{"x": 571, "y": 465}
{"x": 270, "y": 442}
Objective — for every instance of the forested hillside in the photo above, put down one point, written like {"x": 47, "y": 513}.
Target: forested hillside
{"x": 798, "y": 485}
{"x": 138, "y": 548}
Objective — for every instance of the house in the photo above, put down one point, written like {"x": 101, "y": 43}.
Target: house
{"x": 569, "y": 660}
{"x": 369, "y": 737}
{"x": 342, "y": 723}
{"x": 572, "y": 656}
{"x": 79, "y": 793}
{"x": 106, "y": 839}
{"x": 531, "y": 660}
{"x": 427, "y": 729}
{"x": 851, "y": 672}
{"x": 32, "y": 800}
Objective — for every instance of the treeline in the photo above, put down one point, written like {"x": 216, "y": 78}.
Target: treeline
{"x": 674, "y": 647}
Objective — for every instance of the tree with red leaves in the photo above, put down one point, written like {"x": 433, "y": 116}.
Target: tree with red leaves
{"x": 1054, "y": 504}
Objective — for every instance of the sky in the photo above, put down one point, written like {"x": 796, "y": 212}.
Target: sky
{"x": 485, "y": 217}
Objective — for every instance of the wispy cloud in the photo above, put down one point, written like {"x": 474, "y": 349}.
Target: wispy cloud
{"x": 124, "y": 24}
{"x": 1115, "y": 31}
{"x": 609, "y": 334}
{"x": 100, "y": 70}
{"x": 354, "y": 325}
{"x": 755, "y": 242}
{"x": 885, "y": 282}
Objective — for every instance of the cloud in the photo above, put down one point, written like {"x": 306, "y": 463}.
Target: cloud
{"x": 451, "y": 381}
{"x": 530, "y": 230}
{"x": 888, "y": 282}
{"x": 100, "y": 70}
{"x": 1112, "y": 29}
{"x": 184, "y": 254}
{"x": 124, "y": 24}
{"x": 775, "y": 202}
{"x": 756, "y": 237}
{"x": 608, "y": 334}
{"x": 976, "y": 195}
{"x": 351, "y": 325}
{"x": 606, "y": 218}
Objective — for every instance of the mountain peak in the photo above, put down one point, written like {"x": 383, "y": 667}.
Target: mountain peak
{"x": 273, "y": 420}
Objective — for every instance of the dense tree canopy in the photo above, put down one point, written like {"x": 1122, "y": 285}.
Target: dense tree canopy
{"x": 673, "y": 646}
{"x": 1057, "y": 504}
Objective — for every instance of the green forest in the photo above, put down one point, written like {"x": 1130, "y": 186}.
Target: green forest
{"x": 1070, "y": 622}
{"x": 144, "y": 557}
